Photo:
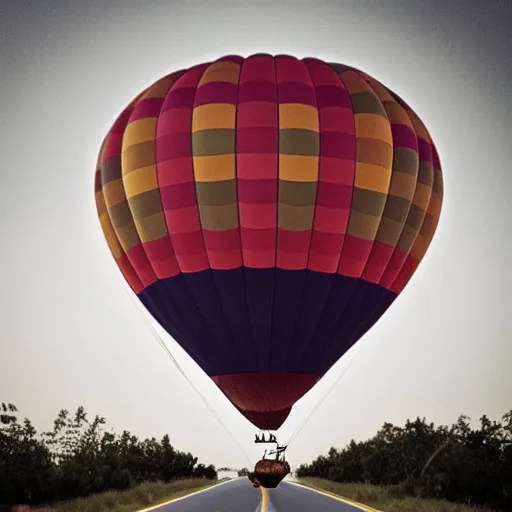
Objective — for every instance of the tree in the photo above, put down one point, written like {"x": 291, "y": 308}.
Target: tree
{"x": 79, "y": 457}
{"x": 457, "y": 463}
{"x": 25, "y": 463}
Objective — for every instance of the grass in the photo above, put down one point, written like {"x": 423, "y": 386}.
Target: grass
{"x": 386, "y": 499}
{"x": 131, "y": 500}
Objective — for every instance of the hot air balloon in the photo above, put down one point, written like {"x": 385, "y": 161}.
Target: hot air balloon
{"x": 267, "y": 211}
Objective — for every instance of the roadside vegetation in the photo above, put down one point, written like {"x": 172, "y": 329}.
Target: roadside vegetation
{"x": 388, "y": 499}
{"x": 71, "y": 467}
{"x": 139, "y": 497}
{"x": 421, "y": 467}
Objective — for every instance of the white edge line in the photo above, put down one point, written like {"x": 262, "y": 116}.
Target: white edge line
{"x": 360, "y": 506}
{"x": 214, "y": 486}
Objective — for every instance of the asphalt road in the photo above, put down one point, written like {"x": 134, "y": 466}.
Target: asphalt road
{"x": 290, "y": 498}
{"x": 236, "y": 495}
{"x": 240, "y": 496}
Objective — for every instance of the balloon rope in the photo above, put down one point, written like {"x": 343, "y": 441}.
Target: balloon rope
{"x": 180, "y": 369}
{"x": 326, "y": 394}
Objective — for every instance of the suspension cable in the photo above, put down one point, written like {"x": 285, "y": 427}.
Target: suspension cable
{"x": 169, "y": 354}
{"x": 326, "y": 394}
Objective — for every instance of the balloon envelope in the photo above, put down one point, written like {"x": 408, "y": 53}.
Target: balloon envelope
{"x": 267, "y": 211}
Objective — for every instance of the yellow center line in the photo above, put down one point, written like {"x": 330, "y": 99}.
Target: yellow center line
{"x": 264, "y": 499}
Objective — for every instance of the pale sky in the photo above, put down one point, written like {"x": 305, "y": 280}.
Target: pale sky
{"x": 71, "y": 334}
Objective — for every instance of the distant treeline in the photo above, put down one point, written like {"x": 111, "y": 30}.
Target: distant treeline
{"x": 457, "y": 463}
{"x": 79, "y": 457}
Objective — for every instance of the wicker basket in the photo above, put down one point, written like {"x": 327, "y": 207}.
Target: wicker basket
{"x": 270, "y": 473}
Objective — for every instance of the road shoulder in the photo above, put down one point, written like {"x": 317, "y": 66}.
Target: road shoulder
{"x": 312, "y": 488}
{"x": 185, "y": 496}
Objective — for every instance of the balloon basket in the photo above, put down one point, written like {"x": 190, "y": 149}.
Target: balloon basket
{"x": 269, "y": 473}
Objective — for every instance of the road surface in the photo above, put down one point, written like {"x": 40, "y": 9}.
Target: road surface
{"x": 239, "y": 495}
{"x": 289, "y": 497}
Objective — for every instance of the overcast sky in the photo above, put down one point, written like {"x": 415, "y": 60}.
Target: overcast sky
{"x": 71, "y": 333}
